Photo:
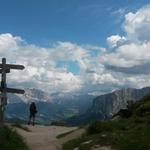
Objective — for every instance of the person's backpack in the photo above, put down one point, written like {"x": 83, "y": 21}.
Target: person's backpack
{"x": 33, "y": 108}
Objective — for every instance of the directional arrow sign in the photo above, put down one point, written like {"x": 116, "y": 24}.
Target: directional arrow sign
{"x": 10, "y": 66}
{"x": 11, "y": 90}
{"x": 4, "y": 69}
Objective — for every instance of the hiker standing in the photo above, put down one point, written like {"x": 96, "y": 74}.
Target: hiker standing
{"x": 33, "y": 112}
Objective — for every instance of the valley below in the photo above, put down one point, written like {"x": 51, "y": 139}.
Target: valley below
{"x": 51, "y": 108}
{"x": 71, "y": 110}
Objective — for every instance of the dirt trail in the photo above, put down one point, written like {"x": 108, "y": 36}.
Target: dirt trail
{"x": 44, "y": 137}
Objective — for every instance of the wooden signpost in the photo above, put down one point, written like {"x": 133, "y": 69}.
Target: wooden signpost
{"x": 5, "y": 68}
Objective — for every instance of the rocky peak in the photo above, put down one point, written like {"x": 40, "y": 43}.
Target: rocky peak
{"x": 111, "y": 103}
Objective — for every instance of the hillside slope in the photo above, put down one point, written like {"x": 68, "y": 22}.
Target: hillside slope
{"x": 132, "y": 133}
{"x": 11, "y": 140}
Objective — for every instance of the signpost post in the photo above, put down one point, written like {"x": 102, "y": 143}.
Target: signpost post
{"x": 5, "y": 68}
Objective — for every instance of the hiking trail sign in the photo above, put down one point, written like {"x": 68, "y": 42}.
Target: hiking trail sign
{"x": 5, "y": 68}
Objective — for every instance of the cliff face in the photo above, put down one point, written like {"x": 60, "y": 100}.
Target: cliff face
{"x": 105, "y": 106}
{"x": 109, "y": 104}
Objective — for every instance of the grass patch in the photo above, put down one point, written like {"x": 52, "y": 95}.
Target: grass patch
{"x": 121, "y": 135}
{"x": 17, "y": 125}
{"x": 10, "y": 140}
{"x": 70, "y": 145}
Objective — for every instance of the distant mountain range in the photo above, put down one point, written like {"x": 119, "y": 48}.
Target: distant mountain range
{"x": 51, "y": 107}
{"x": 72, "y": 109}
{"x": 105, "y": 106}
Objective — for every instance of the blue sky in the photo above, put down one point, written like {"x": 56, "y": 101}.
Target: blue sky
{"x": 80, "y": 21}
{"x": 83, "y": 46}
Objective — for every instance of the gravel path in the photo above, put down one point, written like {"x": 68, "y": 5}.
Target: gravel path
{"x": 44, "y": 137}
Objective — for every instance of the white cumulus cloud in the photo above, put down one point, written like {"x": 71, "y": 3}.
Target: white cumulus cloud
{"x": 115, "y": 40}
{"x": 97, "y": 66}
{"x": 137, "y": 25}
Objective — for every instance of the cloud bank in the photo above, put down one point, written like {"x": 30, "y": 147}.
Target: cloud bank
{"x": 125, "y": 63}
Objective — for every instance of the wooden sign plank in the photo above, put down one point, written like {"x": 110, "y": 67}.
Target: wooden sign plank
{"x": 18, "y": 91}
{"x": 10, "y": 66}
{"x": 11, "y": 90}
{"x": 6, "y": 70}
